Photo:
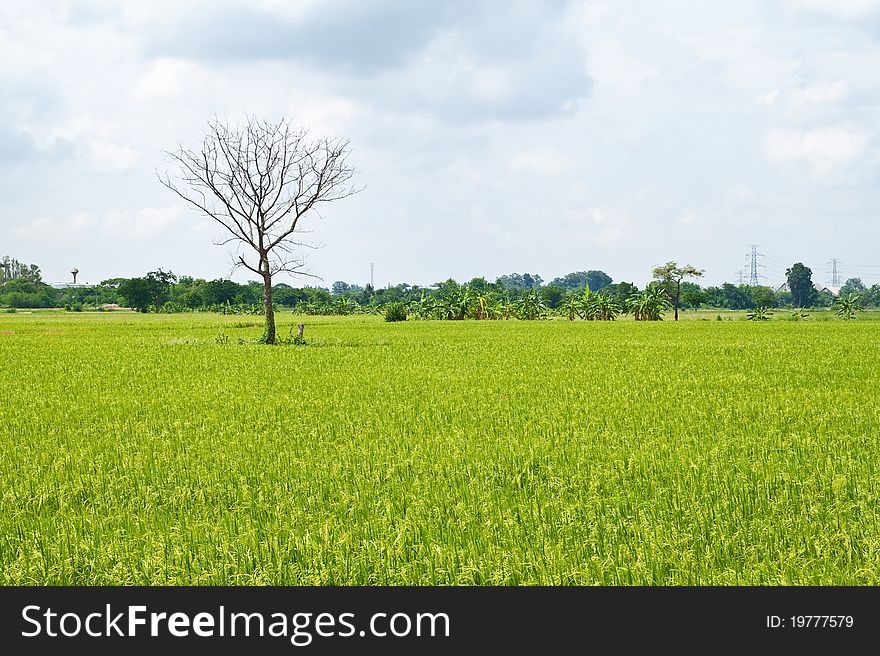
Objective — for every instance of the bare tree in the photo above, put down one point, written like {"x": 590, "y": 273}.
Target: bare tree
{"x": 258, "y": 181}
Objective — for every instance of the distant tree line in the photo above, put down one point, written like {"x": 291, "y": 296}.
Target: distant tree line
{"x": 515, "y": 294}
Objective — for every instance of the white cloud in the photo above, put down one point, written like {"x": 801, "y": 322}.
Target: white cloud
{"x": 140, "y": 224}
{"x": 98, "y": 143}
{"x": 842, "y": 8}
{"x": 455, "y": 122}
{"x": 540, "y": 161}
{"x": 58, "y": 229}
{"x": 326, "y": 115}
{"x": 599, "y": 225}
{"x": 832, "y": 92}
{"x": 822, "y": 149}
{"x": 166, "y": 77}
{"x": 108, "y": 155}
{"x": 689, "y": 218}
{"x": 768, "y": 98}
{"x": 126, "y": 224}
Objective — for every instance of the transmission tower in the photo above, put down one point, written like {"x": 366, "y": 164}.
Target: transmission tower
{"x": 835, "y": 272}
{"x": 740, "y": 274}
{"x": 754, "y": 264}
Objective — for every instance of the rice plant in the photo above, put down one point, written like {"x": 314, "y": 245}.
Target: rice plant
{"x": 141, "y": 449}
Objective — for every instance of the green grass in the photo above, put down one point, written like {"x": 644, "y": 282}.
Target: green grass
{"x": 138, "y": 450}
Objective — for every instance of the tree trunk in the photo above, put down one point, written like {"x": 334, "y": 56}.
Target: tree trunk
{"x": 677, "y": 297}
{"x": 269, "y": 335}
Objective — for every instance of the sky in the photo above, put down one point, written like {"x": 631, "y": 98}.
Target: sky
{"x": 490, "y": 137}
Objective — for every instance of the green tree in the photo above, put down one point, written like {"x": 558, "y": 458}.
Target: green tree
{"x": 800, "y": 284}
{"x": 12, "y": 269}
{"x": 762, "y": 296}
{"x": 621, "y": 291}
{"x": 552, "y": 295}
{"x": 670, "y": 276}
{"x": 579, "y": 279}
{"x": 692, "y": 295}
{"x": 519, "y": 281}
{"x": 221, "y": 291}
{"x": 151, "y": 290}
{"x": 852, "y": 286}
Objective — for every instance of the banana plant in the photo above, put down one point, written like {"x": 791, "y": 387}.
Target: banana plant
{"x": 648, "y": 305}
{"x": 571, "y": 307}
{"x": 588, "y": 309}
{"x": 759, "y": 314}
{"x": 846, "y": 307}
{"x": 531, "y": 307}
{"x": 482, "y": 303}
{"x": 455, "y": 304}
{"x": 606, "y": 309}
{"x": 344, "y": 306}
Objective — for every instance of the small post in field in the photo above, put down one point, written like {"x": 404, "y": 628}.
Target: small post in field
{"x": 300, "y": 327}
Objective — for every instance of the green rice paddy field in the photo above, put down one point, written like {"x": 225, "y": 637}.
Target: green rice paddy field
{"x": 145, "y": 450}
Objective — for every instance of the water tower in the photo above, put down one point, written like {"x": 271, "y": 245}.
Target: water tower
{"x": 73, "y": 272}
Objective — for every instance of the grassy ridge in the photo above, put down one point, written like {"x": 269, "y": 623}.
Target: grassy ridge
{"x": 137, "y": 449}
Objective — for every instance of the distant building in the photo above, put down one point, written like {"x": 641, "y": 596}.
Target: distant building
{"x": 819, "y": 287}
{"x": 70, "y": 285}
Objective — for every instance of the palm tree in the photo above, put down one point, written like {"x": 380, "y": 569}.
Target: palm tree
{"x": 846, "y": 307}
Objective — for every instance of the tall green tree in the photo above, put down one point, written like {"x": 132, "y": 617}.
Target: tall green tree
{"x": 670, "y": 277}
{"x": 800, "y": 284}
{"x": 12, "y": 269}
{"x": 762, "y": 296}
{"x": 579, "y": 279}
{"x": 151, "y": 290}
{"x": 519, "y": 281}
{"x": 852, "y": 286}
{"x": 621, "y": 291}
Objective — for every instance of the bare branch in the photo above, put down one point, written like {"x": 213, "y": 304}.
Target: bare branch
{"x": 260, "y": 181}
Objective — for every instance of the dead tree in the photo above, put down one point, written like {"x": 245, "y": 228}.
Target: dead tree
{"x": 258, "y": 181}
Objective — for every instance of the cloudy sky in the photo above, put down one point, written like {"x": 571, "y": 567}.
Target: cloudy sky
{"x": 490, "y": 137}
